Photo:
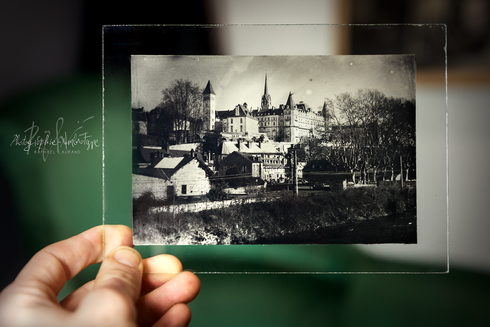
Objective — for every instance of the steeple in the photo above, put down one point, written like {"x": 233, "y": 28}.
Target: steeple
{"x": 266, "y": 91}
{"x": 209, "y": 107}
{"x": 266, "y": 98}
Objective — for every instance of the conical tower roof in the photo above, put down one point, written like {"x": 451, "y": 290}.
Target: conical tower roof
{"x": 209, "y": 89}
{"x": 290, "y": 101}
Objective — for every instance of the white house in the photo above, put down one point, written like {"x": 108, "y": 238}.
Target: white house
{"x": 173, "y": 177}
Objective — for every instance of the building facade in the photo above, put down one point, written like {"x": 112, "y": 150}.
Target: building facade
{"x": 239, "y": 121}
{"x": 262, "y": 160}
{"x": 172, "y": 178}
{"x": 301, "y": 122}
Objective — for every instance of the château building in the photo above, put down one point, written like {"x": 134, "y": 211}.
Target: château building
{"x": 301, "y": 122}
{"x": 290, "y": 122}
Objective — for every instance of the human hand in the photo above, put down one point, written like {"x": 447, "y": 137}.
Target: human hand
{"x": 127, "y": 290}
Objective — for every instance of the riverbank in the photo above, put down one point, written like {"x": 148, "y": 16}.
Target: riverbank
{"x": 384, "y": 214}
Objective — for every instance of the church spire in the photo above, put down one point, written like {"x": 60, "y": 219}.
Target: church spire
{"x": 266, "y": 98}
{"x": 266, "y": 91}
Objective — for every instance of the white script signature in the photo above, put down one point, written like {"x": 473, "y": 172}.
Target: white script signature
{"x": 60, "y": 143}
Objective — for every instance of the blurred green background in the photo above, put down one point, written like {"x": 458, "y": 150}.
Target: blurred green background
{"x": 51, "y": 67}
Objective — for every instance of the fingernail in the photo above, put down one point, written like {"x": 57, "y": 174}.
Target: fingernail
{"x": 127, "y": 257}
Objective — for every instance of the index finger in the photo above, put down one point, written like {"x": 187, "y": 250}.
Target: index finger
{"x": 50, "y": 268}
{"x": 158, "y": 270}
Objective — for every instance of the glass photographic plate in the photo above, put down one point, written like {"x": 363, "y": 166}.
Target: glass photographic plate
{"x": 277, "y": 204}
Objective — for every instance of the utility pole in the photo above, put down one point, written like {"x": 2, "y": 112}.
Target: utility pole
{"x": 293, "y": 159}
{"x": 401, "y": 170}
{"x": 295, "y": 171}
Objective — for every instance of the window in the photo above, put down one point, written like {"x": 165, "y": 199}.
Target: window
{"x": 184, "y": 189}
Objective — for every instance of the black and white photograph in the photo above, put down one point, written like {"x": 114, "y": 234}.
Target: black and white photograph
{"x": 274, "y": 149}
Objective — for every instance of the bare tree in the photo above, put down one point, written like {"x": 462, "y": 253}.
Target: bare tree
{"x": 397, "y": 134}
{"x": 374, "y": 131}
{"x": 348, "y": 136}
{"x": 183, "y": 99}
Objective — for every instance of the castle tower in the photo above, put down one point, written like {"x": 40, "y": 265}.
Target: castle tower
{"x": 209, "y": 107}
{"x": 291, "y": 118}
{"x": 290, "y": 102}
{"x": 266, "y": 98}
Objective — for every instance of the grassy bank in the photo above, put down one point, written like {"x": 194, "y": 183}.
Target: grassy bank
{"x": 377, "y": 215}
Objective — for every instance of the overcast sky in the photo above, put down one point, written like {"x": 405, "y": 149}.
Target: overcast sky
{"x": 239, "y": 79}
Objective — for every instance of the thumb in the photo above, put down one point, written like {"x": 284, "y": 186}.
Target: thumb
{"x": 122, "y": 270}
{"x": 116, "y": 289}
